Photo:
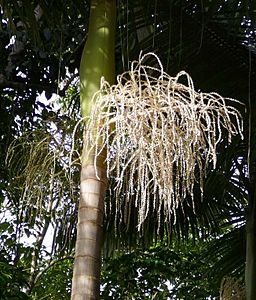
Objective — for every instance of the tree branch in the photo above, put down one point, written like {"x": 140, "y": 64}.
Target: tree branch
{"x": 51, "y": 264}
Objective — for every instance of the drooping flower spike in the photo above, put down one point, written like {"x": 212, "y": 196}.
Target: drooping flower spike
{"x": 160, "y": 135}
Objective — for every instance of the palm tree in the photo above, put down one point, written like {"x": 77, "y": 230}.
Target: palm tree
{"x": 153, "y": 26}
{"x": 97, "y": 61}
{"x": 89, "y": 254}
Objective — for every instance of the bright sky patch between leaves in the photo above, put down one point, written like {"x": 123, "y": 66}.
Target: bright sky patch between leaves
{"x": 160, "y": 135}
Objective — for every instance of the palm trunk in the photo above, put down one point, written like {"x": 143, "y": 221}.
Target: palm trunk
{"x": 97, "y": 61}
{"x": 250, "y": 270}
{"x": 86, "y": 276}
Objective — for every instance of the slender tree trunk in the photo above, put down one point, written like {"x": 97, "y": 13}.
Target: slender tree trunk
{"x": 250, "y": 270}
{"x": 38, "y": 244}
{"x": 97, "y": 61}
{"x": 86, "y": 277}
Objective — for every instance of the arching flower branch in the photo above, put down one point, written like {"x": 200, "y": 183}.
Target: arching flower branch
{"x": 159, "y": 133}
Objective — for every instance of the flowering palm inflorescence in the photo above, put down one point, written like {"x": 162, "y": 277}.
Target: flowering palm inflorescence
{"x": 160, "y": 135}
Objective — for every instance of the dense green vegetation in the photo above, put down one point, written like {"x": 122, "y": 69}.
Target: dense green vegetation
{"x": 40, "y": 51}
